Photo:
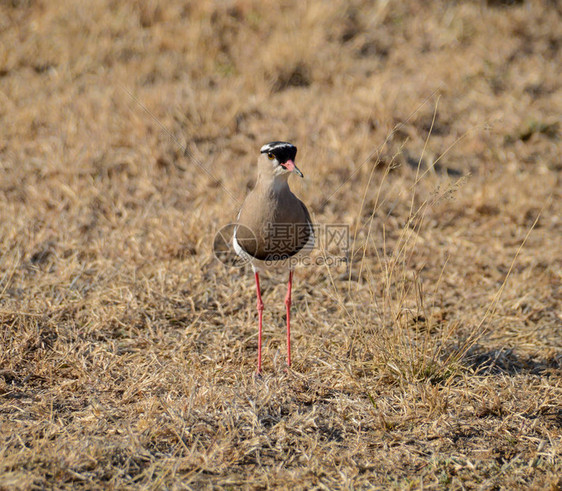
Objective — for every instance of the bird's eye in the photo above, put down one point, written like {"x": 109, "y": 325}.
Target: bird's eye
{"x": 270, "y": 156}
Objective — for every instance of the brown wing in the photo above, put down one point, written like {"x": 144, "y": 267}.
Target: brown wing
{"x": 273, "y": 227}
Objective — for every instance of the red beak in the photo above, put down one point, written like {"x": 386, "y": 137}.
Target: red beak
{"x": 290, "y": 166}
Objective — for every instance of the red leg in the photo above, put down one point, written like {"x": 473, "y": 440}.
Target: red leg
{"x": 260, "y": 315}
{"x": 288, "y": 305}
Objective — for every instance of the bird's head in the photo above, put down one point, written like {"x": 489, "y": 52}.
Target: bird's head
{"x": 279, "y": 158}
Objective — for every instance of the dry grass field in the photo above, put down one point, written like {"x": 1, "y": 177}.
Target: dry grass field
{"x": 431, "y": 359}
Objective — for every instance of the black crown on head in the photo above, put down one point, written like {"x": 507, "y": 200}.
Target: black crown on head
{"x": 283, "y": 151}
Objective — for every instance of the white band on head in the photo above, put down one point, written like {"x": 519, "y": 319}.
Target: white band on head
{"x": 275, "y": 145}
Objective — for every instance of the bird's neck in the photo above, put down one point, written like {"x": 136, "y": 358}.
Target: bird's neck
{"x": 270, "y": 183}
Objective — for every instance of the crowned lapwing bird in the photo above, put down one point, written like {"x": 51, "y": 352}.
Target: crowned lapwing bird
{"x": 273, "y": 228}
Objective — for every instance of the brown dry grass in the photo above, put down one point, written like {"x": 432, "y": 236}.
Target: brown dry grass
{"x": 128, "y": 351}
